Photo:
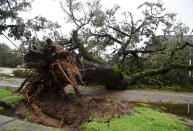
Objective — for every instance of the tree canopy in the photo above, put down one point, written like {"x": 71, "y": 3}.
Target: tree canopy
{"x": 98, "y": 30}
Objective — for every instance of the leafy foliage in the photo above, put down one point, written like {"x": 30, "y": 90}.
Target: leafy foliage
{"x": 9, "y": 19}
{"x": 23, "y": 73}
{"x": 101, "y": 28}
{"x": 8, "y": 57}
{"x": 1, "y": 110}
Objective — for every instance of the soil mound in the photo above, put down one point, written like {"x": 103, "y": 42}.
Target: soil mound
{"x": 73, "y": 110}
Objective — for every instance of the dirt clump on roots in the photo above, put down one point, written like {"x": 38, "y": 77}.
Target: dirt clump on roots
{"x": 74, "y": 110}
{"x": 45, "y": 93}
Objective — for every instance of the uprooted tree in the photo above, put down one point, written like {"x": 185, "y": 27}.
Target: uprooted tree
{"x": 95, "y": 32}
{"x": 98, "y": 31}
{"x": 58, "y": 68}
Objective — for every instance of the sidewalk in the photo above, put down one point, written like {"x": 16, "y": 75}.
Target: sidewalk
{"x": 11, "y": 124}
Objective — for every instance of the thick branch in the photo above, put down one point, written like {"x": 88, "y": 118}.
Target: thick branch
{"x": 173, "y": 52}
{"x": 67, "y": 43}
{"x": 132, "y": 79}
{"x": 134, "y": 52}
{"x": 118, "y": 30}
{"x": 184, "y": 45}
{"x": 109, "y": 36}
{"x": 77, "y": 43}
{"x": 116, "y": 57}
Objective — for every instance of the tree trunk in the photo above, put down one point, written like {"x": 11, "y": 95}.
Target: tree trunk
{"x": 104, "y": 74}
{"x": 116, "y": 80}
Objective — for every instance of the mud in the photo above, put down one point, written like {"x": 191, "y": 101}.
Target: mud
{"x": 68, "y": 112}
{"x": 74, "y": 111}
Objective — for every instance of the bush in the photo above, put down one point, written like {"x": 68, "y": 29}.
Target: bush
{"x": 1, "y": 110}
{"x": 19, "y": 73}
{"x": 8, "y": 57}
{"x": 23, "y": 73}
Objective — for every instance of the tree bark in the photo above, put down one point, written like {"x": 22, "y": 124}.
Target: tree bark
{"x": 116, "y": 80}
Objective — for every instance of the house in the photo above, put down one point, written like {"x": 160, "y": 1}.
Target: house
{"x": 155, "y": 42}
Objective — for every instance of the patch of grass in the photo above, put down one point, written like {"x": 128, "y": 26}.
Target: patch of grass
{"x": 145, "y": 100}
{"x": 29, "y": 119}
{"x": 175, "y": 88}
{"x": 146, "y": 119}
{"x": 1, "y": 110}
{"x": 172, "y": 88}
{"x": 4, "y": 93}
{"x": 7, "y": 96}
{"x": 6, "y": 75}
{"x": 15, "y": 99}
{"x": 10, "y": 88}
{"x": 21, "y": 73}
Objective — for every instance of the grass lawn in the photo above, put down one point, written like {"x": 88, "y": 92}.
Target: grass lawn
{"x": 7, "y": 96}
{"x": 175, "y": 88}
{"x": 6, "y": 75}
{"x": 145, "y": 119}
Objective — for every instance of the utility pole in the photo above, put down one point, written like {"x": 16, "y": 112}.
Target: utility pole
{"x": 190, "y": 63}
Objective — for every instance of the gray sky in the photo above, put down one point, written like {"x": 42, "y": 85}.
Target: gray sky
{"x": 51, "y": 8}
{"x": 52, "y": 11}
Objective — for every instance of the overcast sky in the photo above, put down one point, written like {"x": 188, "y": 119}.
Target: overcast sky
{"x": 51, "y": 8}
{"x": 52, "y": 11}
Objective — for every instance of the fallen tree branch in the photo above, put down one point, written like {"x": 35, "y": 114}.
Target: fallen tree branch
{"x": 133, "y": 78}
{"x": 183, "y": 46}
{"x": 141, "y": 51}
{"x": 77, "y": 43}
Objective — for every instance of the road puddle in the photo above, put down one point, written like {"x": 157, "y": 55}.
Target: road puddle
{"x": 184, "y": 110}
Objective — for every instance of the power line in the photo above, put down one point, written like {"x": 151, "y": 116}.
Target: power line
{"x": 12, "y": 42}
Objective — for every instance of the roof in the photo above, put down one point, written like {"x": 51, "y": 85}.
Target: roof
{"x": 168, "y": 37}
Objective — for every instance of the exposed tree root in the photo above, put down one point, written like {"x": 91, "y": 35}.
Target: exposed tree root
{"x": 42, "y": 117}
{"x": 57, "y": 68}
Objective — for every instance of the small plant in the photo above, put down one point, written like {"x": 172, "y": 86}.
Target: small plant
{"x": 1, "y": 110}
{"x": 23, "y": 73}
{"x": 19, "y": 73}
{"x": 5, "y": 75}
{"x": 29, "y": 119}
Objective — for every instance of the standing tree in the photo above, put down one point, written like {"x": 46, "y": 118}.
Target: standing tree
{"x": 8, "y": 57}
{"x": 9, "y": 17}
{"x": 13, "y": 25}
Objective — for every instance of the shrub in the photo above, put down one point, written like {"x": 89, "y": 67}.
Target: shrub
{"x": 23, "y": 73}
{"x": 1, "y": 110}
